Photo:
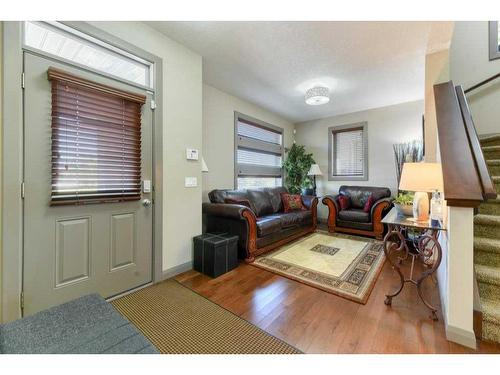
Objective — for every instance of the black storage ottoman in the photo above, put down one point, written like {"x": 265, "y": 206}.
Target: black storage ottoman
{"x": 215, "y": 253}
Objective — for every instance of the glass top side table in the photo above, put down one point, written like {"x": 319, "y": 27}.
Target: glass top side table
{"x": 418, "y": 240}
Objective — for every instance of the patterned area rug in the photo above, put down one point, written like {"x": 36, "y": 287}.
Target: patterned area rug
{"x": 344, "y": 265}
{"x": 179, "y": 321}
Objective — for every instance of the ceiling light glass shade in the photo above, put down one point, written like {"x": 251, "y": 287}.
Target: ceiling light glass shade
{"x": 318, "y": 95}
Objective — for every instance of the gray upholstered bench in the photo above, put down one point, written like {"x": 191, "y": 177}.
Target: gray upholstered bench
{"x": 86, "y": 325}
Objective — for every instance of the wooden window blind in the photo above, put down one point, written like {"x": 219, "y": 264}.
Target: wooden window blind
{"x": 96, "y": 141}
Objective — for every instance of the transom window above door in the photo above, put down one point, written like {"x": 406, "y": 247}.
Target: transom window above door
{"x": 348, "y": 152}
{"x": 65, "y": 43}
{"x": 258, "y": 153}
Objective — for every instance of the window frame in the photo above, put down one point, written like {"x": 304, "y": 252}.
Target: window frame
{"x": 255, "y": 144}
{"x": 493, "y": 42}
{"x": 331, "y": 165}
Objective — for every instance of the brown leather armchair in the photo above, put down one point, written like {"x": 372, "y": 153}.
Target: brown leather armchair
{"x": 263, "y": 226}
{"x": 354, "y": 220}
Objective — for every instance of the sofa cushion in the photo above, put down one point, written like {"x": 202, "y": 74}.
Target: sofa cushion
{"x": 267, "y": 225}
{"x": 355, "y": 215}
{"x": 219, "y": 195}
{"x": 295, "y": 218}
{"x": 360, "y": 194}
{"x": 355, "y": 225}
{"x": 292, "y": 202}
{"x": 239, "y": 201}
{"x": 344, "y": 202}
{"x": 369, "y": 204}
{"x": 275, "y": 197}
{"x": 261, "y": 202}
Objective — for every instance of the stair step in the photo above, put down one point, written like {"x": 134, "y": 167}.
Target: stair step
{"x": 490, "y": 207}
{"x": 488, "y": 274}
{"x": 491, "y": 152}
{"x": 494, "y": 167}
{"x": 489, "y": 245}
{"x": 487, "y": 258}
{"x": 487, "y": 226}
{"x": 491, "y": 140}
{"x": 491, "y": 310}
{"x": 491, "y": 320}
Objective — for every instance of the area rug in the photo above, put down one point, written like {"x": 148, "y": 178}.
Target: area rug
{"x": 347, "y": 266}
{"x": 179, "y": 321}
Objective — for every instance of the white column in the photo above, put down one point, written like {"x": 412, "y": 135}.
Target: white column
{"x": 459, "y": 288}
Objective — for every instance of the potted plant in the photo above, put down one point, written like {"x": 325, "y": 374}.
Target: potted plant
{"x": 404, "y": 204}
{"x": 296, "y": 166}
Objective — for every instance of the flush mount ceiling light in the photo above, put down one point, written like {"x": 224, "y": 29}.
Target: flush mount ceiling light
{"x": 318, "y": 95}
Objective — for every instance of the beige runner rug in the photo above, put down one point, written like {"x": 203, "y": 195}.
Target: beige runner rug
{"x": 340, "y": 264}
{"x": 179, "y": 321}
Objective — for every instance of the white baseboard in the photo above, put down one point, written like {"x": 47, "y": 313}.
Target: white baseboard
{"x": 461, "y": 336}
{"x": 174, "y": 271}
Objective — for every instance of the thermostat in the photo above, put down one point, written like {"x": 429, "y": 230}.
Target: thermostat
{"x": 191, "y": 154}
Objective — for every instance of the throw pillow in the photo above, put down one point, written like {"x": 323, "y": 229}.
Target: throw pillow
{"x": 292, "y": 202}
{"x": 344, "y": 202}
{"x": 240, "y": 201}
{"x": 369, "y": 203}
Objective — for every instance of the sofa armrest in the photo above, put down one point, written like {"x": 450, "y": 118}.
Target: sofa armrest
{"x": 331, "y": 201}
{"x": 230, "y": 211}
{"x": 333, "y": 209}
{"x": 309, "y": 201}
{"x": 379, "y": 207}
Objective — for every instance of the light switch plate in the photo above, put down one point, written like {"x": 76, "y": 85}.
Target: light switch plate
{"x": 146, "y": 186}
{"x": 191, "y": 182}
{"x": 191, "y": 154}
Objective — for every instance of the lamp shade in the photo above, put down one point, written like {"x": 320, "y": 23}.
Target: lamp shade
{"x": 424, "y": 177}
{"x": 314, "y": 170}
{"x": 204, "y": 167}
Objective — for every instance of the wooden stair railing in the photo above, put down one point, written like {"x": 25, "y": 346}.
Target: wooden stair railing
{"x": 466, "y": 179}
{"x": 482, "y": 83}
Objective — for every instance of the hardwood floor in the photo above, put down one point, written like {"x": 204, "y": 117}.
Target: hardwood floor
{"x": 319, "y": 322}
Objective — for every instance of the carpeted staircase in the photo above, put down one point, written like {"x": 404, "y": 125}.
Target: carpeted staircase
{"x": 487, "y": 246}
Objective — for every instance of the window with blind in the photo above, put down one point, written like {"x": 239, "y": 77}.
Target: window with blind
{"x": 348, "y": 152}
{"x": 258, "y": 153}
{"x": 96, "y": 141}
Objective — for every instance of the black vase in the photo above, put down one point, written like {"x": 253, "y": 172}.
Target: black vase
{"x": 307, "y": 191}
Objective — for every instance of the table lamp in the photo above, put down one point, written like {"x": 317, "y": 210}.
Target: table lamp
{"x": 314, "y": 171}
{"x": 421, "y": 178}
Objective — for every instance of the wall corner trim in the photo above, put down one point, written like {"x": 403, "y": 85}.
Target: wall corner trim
{"x": 174, "y": 271}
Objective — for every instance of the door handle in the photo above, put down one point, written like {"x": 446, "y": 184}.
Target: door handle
{"x": 146, "y": 202}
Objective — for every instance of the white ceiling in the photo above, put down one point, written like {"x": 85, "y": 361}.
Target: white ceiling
{"x": 272, "y": 64}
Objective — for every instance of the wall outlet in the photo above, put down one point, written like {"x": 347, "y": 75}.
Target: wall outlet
{"x": 191, "y": 154}
{"x": 190, "y": 182}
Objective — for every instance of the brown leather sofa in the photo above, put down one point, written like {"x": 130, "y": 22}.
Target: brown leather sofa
{"x": 264, "y": 226}
{"x": 354, "y": 220}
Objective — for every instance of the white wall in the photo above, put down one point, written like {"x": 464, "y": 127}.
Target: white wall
{"x": 386, "y": 126}
{"x": 218, "y": 135}
{"x": 469, "y": 64}
{"x": 182, "y": 128}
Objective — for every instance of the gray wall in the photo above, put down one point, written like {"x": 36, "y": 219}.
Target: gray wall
{"x": 469, "y": 64}
{"x": 1, "y": 143}
{"x": 218, "y": 135}
{"x": 386, "y": 126}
